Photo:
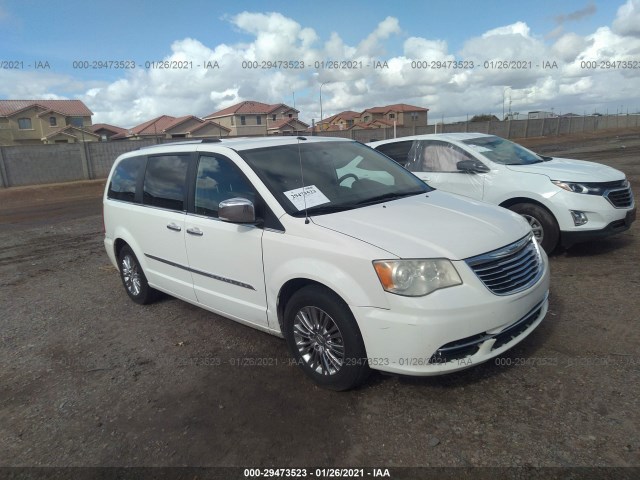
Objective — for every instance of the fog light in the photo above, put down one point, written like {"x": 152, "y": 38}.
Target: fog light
{"x": 579, "y": 218}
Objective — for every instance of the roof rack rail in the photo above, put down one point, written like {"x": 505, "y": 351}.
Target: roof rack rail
{"x": 185, "y": 142}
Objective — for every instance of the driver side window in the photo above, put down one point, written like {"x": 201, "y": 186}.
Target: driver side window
{"x": 219, "y": 179}
{"x": 438, "y": 156}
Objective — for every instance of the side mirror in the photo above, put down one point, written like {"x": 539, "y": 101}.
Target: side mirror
{"x": 472, "y": 166}
{"x": 237, "y": 210}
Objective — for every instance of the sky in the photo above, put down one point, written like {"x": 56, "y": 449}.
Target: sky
{"x": 457, "y": 58}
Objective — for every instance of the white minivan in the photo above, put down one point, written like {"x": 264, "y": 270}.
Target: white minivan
{"x": 565, "y": 201}
{"x": 356, "y": 262}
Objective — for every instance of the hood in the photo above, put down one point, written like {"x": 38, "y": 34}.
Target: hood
{"x": 571, "y": 170}
{"x": 431, "y": 225}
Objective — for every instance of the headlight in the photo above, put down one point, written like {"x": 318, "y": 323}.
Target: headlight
{"x": 416, "y": 278}
{"x": 572, "y": 187}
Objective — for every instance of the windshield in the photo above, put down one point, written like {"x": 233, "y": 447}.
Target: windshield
{"x": 503, "y": 151}
{"x": 336, "y": 176}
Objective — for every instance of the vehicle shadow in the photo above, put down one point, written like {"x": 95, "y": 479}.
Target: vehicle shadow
{"x": 597, "y": 247}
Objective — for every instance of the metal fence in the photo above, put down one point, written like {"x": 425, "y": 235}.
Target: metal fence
{"x": 39, "y": 164}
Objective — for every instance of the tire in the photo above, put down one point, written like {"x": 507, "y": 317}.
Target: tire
{"x": 544, "y": 225}
{"x": 133, "y": 278}
{"x": 324, "y": 339}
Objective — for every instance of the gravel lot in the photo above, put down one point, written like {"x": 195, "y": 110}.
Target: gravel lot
{"x": 88, "y": 378}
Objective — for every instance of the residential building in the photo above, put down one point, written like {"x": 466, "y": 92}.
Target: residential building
{"x": 251, "y": 118}
{"x": 400, "y": 115}
{"x": 168, "y": 127}
{"x": 106, "y": 131}
{"x": 28, "y": 122}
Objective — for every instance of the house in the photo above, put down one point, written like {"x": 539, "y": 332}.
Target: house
{"x": 28, "y": 122}
{"x": 400, "y": 115}
{"x": 106, "y": 131}
{"x": 168, "y": 127}
{"x": 251, "y": 118}
{"x": 340, "y": 121}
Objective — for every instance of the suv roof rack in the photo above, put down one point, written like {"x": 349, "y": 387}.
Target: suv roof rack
{"x": 185, "y": 142}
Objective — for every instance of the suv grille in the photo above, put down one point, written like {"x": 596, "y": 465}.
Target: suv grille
{"x": 509, "y": 269}
{"x": 620, "y": 198}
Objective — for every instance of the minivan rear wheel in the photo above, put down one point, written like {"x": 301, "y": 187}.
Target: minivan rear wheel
{"x": 324, "y": 339}
{"x": 133, "y": 278}
{"x": 543, "y": 224}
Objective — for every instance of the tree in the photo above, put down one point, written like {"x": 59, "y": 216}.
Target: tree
{"x": 485, "y": 117}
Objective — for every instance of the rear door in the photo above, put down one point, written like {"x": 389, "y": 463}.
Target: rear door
{"x": 225, "y": 258}
{"x": 160, "y": 224}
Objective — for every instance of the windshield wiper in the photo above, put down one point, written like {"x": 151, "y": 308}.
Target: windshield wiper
{"x": 388, "y": 196}
{"x": 322, "y": 209}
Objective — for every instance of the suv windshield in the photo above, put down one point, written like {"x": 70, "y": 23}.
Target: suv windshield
{"x": 503, "y": 151}
{"x": 326, "y": 177}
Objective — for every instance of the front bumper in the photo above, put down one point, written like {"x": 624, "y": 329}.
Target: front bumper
{"x": 456, "y": 328}
{"x": 572, "y": 237}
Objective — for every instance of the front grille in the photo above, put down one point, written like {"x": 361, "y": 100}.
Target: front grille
{"x": 509, "y": 269}
{"x": 467, "y": 347}
{"x": 620, "y": 198}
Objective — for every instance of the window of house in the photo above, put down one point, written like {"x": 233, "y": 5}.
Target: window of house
{"x": 243, "y": 120}
{"x": 53, "y": 121}
{"x": 24, "y": 124}
{"x": 258, "y": 120}
{"x": 219, "y": 179}
{"x": 414, "y": 116}
{"x": 125, "y": 178}
{"x": 392, "y": 115}
{"x": 164, "y": 181}
{"x": 291, "y": 115}
{"x": 77, "y": 121}
{"x": 232, "y": 120}
{"x": 273, "y": 117}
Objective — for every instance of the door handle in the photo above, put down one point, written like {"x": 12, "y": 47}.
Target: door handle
{"x": 195, "y": 231}
{"x": 174, "y": 227}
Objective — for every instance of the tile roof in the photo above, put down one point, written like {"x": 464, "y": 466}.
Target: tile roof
{"x": 207, "y": 123}
{"x": 71, "y": 132}
{"x": 65, "y": 107}
{"x": 278, "y": 124}
{"x": 396, "y": 107}
{"x": 112, "y": 128}
{"x": 249, "y": 107}
{"x": 154, "y": 126}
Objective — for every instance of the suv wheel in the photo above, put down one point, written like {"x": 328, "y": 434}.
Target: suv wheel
{"x": 324, "y": 339}
{"x": 133, "y": 278}
{"x": 543, "y": 224}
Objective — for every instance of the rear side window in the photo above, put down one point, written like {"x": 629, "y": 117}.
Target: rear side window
{"x": 398, "y": 151}
{"x": 125, "y": 178}
{"x": 164, "y": 181}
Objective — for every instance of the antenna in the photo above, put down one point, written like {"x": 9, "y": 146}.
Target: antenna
{"x": 304, "y": 196}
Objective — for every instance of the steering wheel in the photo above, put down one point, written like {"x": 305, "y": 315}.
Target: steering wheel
{"x": 347, "y": 175}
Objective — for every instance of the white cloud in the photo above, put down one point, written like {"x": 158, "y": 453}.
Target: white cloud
{"x": 627, "y": 21}
{"x": 142, "y": 94}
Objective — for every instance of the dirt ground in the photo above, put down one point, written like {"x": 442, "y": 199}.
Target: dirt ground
{"x": 88, "y": 378}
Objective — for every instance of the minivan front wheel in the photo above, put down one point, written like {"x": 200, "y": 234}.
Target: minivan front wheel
{"x": 543, "y": 224}
{"x": 133, "y": 278}
{"x": 324, "y": 339}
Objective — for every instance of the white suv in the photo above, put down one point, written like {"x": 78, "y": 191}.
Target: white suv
{"x": 354, "y": 260}
{"x": 565, "y": 201}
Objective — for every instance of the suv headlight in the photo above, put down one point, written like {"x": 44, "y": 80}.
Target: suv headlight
{"x": 588, "y": 188}
{"x": 416, "y": 278}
